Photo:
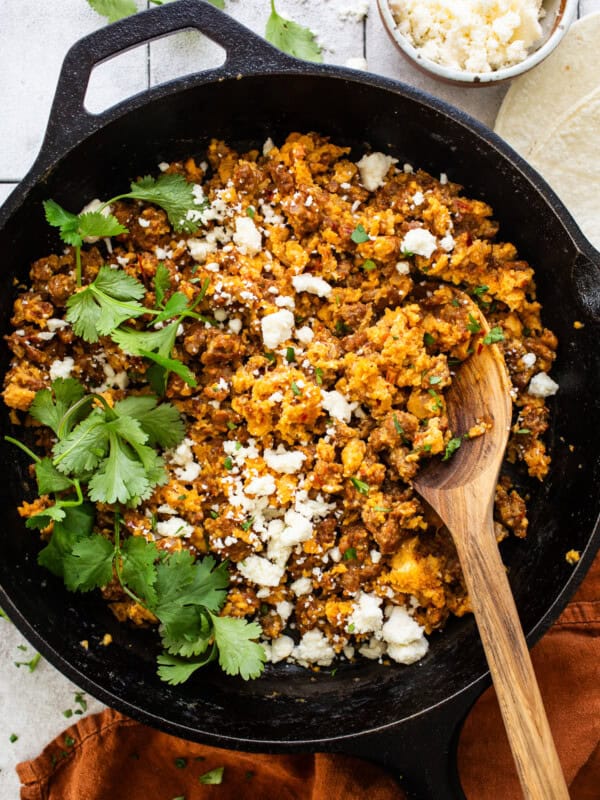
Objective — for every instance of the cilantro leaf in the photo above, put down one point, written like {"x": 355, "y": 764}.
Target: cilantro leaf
{"x": 104, "y": 304}
{"x": 82, "y": 450}
{"x": 189, "y": 635}
{"x": 119, "y": 477}
{"x": 51, "y": 405}
{"x": 177, "y": 303}
{"x": 76, "y": 524}
{"x": 138, "y": 570}
{"x": 162, "y": 282}
{"x": 238, "y": 654}
{"x": 209, "y": 585}
{"x": 114, "y": 10}
{"x": 172, "y": 365}
{"x": 95, "y": 223}
{"x": 49, "y": 479}
{"x": 65, "y": 221}
{"x": 175, "y": 670}
{"x": 292, "y": 38}
{"x": 136, "y": 342}
{"x": 89, "y": 565}
{"x": 161, "y": 423}
{"x": 43, "y": 518}
{"x": 173, "y": 194}
{"x": 473, "y": 325}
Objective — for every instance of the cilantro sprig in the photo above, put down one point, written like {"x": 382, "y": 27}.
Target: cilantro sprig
{"x": 171, "y": 192}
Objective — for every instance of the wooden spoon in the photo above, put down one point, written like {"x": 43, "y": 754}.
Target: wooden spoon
{"x": 461, "y": 491}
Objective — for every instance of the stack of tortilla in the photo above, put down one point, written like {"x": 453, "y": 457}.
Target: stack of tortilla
{"x": 551, "y": 116}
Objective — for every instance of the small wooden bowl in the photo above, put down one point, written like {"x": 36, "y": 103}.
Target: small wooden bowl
{"x": 559, "y": 16}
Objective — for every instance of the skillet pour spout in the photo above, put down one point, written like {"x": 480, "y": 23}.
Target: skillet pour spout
{"x": 407, "y": 718}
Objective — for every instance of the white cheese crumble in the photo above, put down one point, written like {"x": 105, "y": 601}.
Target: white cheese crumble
{"x": 174, "y": 527}
{"x": 301, "y": 586}
{"x": 528, "y": 360}
{"x": 313, "y": 648}
{"x": 474, "y": 35}
{"x": 61, "y": 369}
{"x": 267, "y": 146}
{"x": 56, "y": 324}
{"x": 182, "y": 457}
{"x": 420, "y": 242}
{"x": 542, "y": 385}
{"x": 143, "y": 223}
{"x": 277, "y": 328}
{"x": 262, "y": 486}
{"x": 281, "y": 648}
{"x": 247, "y": 237}
{"x": 284, "y": 461}
{"x": 447, "y": 243}
{"x": 373, "y": 169}
{"x": 285, "y": 302}
{"x": 367, "y": 616}
{"x": 261, "y": 571}
{"x": 418, "y": 198}
{"x": 403, "y": 268}
{"x": 304, "y": 335}
{"x": 337, "y": 405}
{"x": 235, "y": 325}
{"x": 297, "y": 529}
{"x": 404, "y": 636}
{"x": 311, "y": 284}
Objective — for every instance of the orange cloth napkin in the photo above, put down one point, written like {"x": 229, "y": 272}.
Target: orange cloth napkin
{"x": 111, "y": 757}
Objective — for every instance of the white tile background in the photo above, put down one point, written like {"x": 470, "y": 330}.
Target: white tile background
{"x": 34, "y": 37}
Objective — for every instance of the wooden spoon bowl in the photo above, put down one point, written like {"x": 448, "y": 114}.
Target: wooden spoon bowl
{"x": 461, "y": 491}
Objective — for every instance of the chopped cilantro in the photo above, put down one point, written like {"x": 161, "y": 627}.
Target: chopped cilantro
{"x": 494, "y": 335}
{"x": 215, "y": 776}
{"x": 69, "y": 741}
{"x": 438, "y": 402}
{"x": 245, "y": 526}
{"x": 32, "y": 664}
{"x": 13, "y": 738}
{"x": 382, "y": 509}
{"x": 68, "y": 713}
{"x": 319, "y": 376}
{"x": 523, "y": 431}
{"x": 270, "y": 357}
{"x": 359, "y": 234}
{"x": 350, "y": 554}
{"x": 214, "y": 514}
{"x": 452, "y": 447}
{"x": 474, "y": 326}
{"x": 360, "y": 486}
{"x": 428, "y": 339}
{"x": 290, "y": 355}
{"x": 369, "y": 265}
{"x": 479, "y": 290}
{"x": 250, "y": 212}
{"x": 434, "y": 379}
{"x": 295, "y": 389}
{"x": 228, "y": 462}
{"x": 180, "y": 763}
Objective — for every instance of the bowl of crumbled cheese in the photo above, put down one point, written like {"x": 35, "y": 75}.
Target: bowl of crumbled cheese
{"x": 477, "y": 42}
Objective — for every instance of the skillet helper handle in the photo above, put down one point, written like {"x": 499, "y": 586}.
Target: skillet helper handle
{"x": 69, "y": 121}
{"x": 517, "y": 690}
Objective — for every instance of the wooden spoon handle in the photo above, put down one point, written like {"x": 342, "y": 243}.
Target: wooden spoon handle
{"x": 516, "y": 686}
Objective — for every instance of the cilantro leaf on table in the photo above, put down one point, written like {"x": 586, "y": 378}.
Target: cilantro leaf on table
{"x": 89, "y": 565}
{"x": 292, "y": 38}
{"x": 173, "y": 194}
{"x": 174, "y": 670}
{"x": 137, "y": 567}
{"x": 238, "y": 653}
{"x": 50, "y": 406}
{"x": 114, "y": 10}
{"x": 105, "y": 303}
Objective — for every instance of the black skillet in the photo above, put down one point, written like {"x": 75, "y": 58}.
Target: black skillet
{"x": 406, "y": 718}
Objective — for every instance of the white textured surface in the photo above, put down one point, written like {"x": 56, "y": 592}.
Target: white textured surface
{"x": 34, "y": 38}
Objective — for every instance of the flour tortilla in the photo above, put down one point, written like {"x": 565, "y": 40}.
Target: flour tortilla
{"x": 536, "y": 100}
{"x": 569, "y": 159}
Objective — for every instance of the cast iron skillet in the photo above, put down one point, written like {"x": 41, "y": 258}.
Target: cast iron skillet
{"x": 404, "y": 717}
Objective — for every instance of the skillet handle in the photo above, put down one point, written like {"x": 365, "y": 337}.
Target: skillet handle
{"x": 422, "y": 751}
{"x": 69, "y": 121}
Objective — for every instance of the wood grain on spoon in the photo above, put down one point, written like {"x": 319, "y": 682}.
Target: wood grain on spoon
{"x": 461, "y": 491}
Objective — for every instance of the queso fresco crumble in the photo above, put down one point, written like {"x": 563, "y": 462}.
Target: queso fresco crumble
{"x": 324, "y": 326}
